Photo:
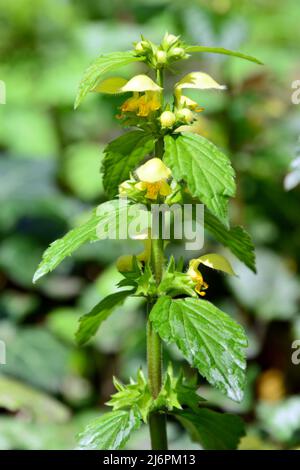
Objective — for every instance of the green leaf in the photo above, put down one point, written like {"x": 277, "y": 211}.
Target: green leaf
{"x": 111, "y": 431}
{"x": 208, "y": 338}
{"x": 214, "y": 431}
{"x": 109, "y": 215}
{"x": 15, "y": 396}
{"x": 122, "y": 156}
{"x": 89, "y": 323}
{"x": 221, "y": 50}
{"x": 235, "y": 238}
{"x": 206, "y": 170}
{"x": 100, "y": 66}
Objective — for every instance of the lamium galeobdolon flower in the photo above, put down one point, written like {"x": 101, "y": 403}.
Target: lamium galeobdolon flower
{"x": 146, "y": 94}
{"x": 185, "y": 107}
{"x": 150, "y": 179}
{"x": 211, "y": 260}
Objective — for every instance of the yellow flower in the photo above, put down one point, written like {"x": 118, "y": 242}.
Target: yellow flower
{"x": 197, "y": 277}
{"x": 211, "y": 260}
{"x": 143, "y": 104}
{"x": 185, "y": 102}
{"x": 194, "y": 80}
{"x": 146, "y": 93}
{"x": 153, "y": 176}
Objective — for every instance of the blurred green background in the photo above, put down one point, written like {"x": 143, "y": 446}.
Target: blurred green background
{"x": 49, "y": 178}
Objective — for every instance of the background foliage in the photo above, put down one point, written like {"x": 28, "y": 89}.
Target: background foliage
{"x": 49, "y": 178}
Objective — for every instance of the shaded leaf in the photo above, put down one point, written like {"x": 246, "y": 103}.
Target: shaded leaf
{"x": 236, "y": 239}
{"x": 214, "y": 431}
{"x": 15, "y": 396}
{"x": 89, "y": 323}
{"x": 122, "y": 156}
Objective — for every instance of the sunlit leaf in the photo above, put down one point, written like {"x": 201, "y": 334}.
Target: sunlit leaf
{"x": 111, "y": 431}
{"x": 108, "y": 216}
{"x": 111, "y": 85}
{"x": 206, "y": 170}
{"x": 102, "y": 65}
{"x": 208, "y": 338}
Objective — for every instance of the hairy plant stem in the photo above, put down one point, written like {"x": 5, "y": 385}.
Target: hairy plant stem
{"x": 157, "y": 421}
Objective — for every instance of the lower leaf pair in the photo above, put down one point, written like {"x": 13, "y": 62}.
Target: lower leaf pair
{"x": 132, "y": 404}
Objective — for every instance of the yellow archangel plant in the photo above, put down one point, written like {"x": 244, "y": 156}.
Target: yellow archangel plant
{"x": 164, "y": 159}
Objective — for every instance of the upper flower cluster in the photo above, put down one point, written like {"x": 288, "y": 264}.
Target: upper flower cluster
{"x": 170, "y": 50}
{"x": 146, "y": 104}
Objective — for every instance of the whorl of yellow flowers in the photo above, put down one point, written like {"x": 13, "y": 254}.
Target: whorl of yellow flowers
{"x": 151, "y": 179}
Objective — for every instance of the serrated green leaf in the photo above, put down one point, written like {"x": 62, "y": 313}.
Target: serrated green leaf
{"x": 206, "y": 170}
{"x": 100, "y": 66}
{"x": 122, "y": 156}
{"x": 90, "y": 323}
{"x": 109, "y": 215}
{"x": 208, "y": 338}
{"x": 236, "y": 239}
{"x": 214, "y": 431}
{"x": 221, "y": 50}
{"x": 110, "y": 432}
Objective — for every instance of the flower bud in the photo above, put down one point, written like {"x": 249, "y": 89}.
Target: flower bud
{"x": 167, "y": 119}
{"x": 177, "y": 52}
{"x": 169, "y": 40}
{"x": 142, "y": 46}
{"x": 161, "y": 57}
{"x": 124, "y": 263}
{"x": 125, "y": 188}
{"x": 185, "y": 115}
